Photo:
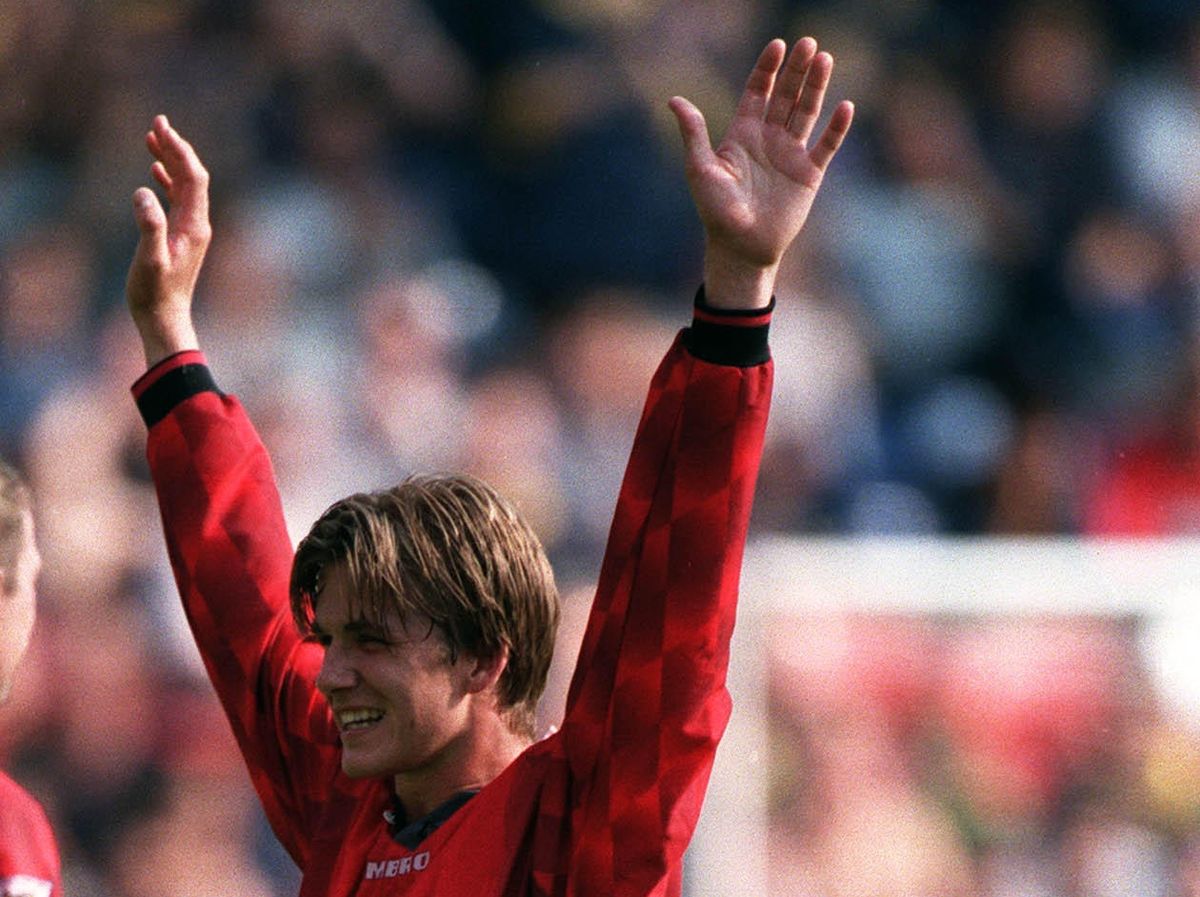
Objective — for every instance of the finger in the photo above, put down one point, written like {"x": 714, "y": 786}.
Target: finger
{"x": 791, "y": 80}
{"x": 696, "y": 143}
{"x": 808, "y": 107}
{"x": 762, "y": 78}
{"x": 152, "y": 223}
{"x": 160, "y": 134}
{"x": 189, "y": 177}
{"x": 172, "y": 150}
{"x": 157, "y": 143}
{"x": 835, "y": 132}
{"x": 159, "y": 171}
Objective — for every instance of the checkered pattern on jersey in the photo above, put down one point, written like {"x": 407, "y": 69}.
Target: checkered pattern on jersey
{"x": 231, "y": 555}
{"x": 648, "y": 702}
{"x": 607, "y": 805}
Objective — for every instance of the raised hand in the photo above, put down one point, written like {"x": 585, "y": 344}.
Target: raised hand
{"x": 754, "y": 191}
{"x": 162, "y": 276}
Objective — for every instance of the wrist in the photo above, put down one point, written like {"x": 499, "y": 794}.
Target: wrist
{"x": 733, "y": 284}
{"x": 164, "y": 338}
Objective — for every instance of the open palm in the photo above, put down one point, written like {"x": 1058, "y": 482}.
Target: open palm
{"x": 166, "y": 265}
{"x": 754, "y": 191}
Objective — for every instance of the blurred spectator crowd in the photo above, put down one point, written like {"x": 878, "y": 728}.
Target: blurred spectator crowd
{"x": 454, "y": 235}
{"x": 1008, "y": 757}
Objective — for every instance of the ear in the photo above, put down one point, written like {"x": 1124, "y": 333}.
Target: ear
{"x": 485, "y": 672}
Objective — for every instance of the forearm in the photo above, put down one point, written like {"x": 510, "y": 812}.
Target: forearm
{"x": 221, "y": 512}
{"x": 676, "y": 542}
{"x": 648, "y": 703}
{"x": 231, "y": 555}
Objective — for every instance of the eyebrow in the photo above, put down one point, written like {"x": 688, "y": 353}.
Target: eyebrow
{"x": 362, "y": 625}
{"x": 353, "y": 626}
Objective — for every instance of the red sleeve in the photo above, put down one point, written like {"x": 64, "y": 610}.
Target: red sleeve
{"x": 29, "y": 862}
{"x": 232, "y": 556}
{"x": 648, "y": 702}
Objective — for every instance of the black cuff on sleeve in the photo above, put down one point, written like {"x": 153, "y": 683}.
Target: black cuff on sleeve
{"x": 175, "y": 386}
{"x": 727, "y": 336}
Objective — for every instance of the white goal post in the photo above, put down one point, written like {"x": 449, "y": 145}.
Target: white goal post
{"x": 1155, "y": 580}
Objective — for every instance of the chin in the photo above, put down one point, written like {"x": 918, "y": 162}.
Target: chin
{"x": 360, "y": 767}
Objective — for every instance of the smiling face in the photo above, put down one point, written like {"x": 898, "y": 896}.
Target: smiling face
{"x": 401, "y": 706}
{"x": 446, "y": 549}
{"x": 18, "y": 605}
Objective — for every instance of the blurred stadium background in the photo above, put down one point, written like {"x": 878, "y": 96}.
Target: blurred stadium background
{"x": 454, "y": 235}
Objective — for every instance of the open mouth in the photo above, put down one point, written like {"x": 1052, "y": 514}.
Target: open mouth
{"x": 358, "y": 719}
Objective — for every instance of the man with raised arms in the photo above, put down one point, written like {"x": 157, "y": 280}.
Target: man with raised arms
{"x": 381, "y": 681}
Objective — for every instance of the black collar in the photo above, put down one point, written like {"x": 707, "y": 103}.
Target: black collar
{"x": 411, "y": 834}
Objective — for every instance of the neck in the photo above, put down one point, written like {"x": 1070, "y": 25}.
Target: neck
{"x": 465, "y": 765}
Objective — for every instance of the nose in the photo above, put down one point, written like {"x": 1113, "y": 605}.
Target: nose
{"x": 336, "y": 673}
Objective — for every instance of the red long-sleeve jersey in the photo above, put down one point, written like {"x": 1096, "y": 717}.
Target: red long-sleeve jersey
{"x": 29, "y": 863}
{"x": 606, "y": 805}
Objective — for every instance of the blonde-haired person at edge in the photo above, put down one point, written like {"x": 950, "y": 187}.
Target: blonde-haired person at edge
{"x": 381, "y": 683}
{"x": 29, "y": 862}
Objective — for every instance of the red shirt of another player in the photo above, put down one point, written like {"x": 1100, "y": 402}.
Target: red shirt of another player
{"x": 29, "y": 864}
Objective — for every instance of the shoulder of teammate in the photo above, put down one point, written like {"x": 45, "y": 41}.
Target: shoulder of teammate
{"x": 28, "y": 851}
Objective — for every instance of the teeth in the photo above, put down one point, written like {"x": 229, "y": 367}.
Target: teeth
{"x": 349, "y": 719}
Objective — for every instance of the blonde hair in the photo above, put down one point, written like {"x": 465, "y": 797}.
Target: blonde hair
{"x": 14, "y": 505}
{"x": 450, "y": 549}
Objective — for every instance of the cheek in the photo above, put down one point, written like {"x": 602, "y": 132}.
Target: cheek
{"x": 428, "y": 698}
{"x": 16, "y": 627}
{"x": 422, "y": 695}
{"x": 16, "y": 619}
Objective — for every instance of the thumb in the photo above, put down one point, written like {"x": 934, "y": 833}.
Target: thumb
{"x": 696, "y": 143}
{"x": 152, "y": 222}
